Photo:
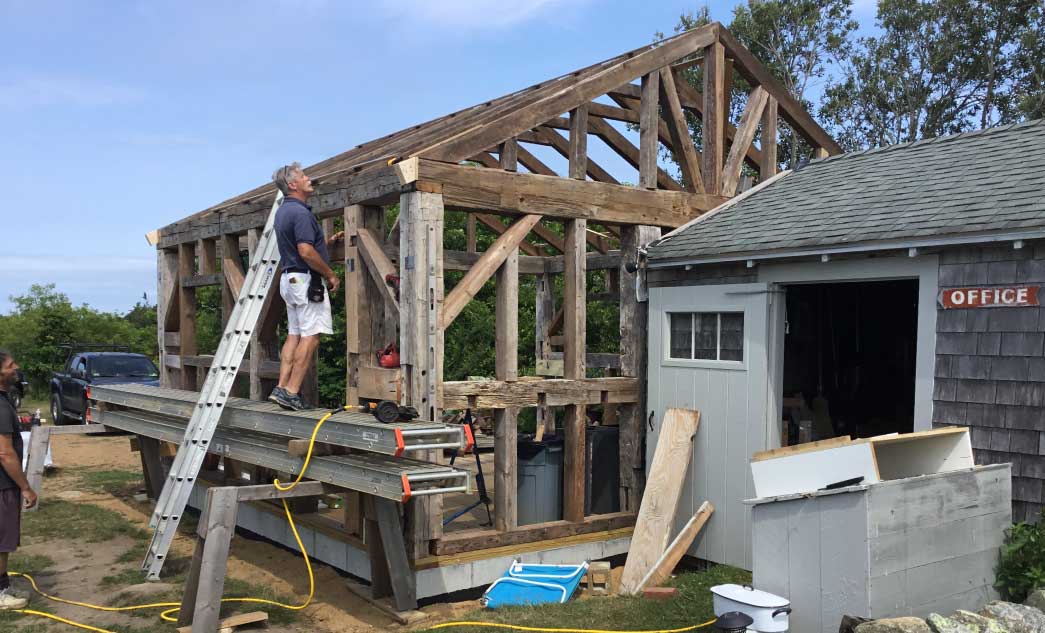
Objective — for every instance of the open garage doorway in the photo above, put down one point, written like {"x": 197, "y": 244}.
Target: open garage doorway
{"x": 849, "y": 359}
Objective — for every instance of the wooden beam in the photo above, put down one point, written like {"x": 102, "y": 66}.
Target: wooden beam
{"x": 474, "y": 188}
{"x": 649, "y": 119}
{"x": 577, "y": 153}
{"x": 378, "y": 265}
{"x": 187, "y": 311}
{"x": 499, "y": 227}
{"x": 491, "y": 259}
{"x": 661, "y": 571}
{"x": 197, "y": 281}
{"x": 627, "y": 150}
{"x": 582, "y": 91}
{"x": 633, "y": 327}
{"x": 232, "y": 273}
{"x": 476, "y": 540}
{"x": 575, "y": 330}
{"x": 562, "y": 146}
{"x": 790, "y": 108}
{"x": 749, "y": 121}
{"x": 506, "y": 367}
{"x": 508, "y": 153}
{"x": 767, "y": 167}
{"x": 471, "y": 244}
{"x": 497, "y": 394}
{"x": 685, "y": 151}
{"x": 532, "y": 163}
{"x": 714, "y": 119}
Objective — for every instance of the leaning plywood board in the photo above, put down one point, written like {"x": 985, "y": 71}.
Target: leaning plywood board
{"x": 813, "y": 470}
{"x": 661, "y": 497}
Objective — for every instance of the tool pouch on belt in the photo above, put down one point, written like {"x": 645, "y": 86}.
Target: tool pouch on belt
{"x": 316, "y": 289}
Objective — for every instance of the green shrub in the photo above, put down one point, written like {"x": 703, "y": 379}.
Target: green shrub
{"x": 1021, "y": 569}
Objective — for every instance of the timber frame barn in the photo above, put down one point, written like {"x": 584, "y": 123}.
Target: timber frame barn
{"x": 475, "y": 161}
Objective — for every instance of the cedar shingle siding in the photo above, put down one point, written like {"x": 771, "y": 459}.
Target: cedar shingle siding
{"x": 990, "y": 367}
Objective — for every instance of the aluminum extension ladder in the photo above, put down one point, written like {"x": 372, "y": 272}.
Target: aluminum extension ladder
{"x": 200, "y": 430}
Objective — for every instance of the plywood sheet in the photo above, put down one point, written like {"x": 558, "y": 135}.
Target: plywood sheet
{"x": 813, "y": 470}
{"x": 660, "y": 500}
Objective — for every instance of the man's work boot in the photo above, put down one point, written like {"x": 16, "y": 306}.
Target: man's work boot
{"x": 9, "y": 600}
{"x": 296, "y": 402}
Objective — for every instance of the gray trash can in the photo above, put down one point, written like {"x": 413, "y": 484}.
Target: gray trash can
{"x": 539, "y": 486}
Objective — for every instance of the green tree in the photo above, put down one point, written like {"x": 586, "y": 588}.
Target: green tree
{"x": 938, "y": 67}
{"x": 44, "y": 318}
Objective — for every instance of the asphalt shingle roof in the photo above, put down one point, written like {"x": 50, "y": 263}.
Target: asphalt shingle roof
{"x": 990, "y": 181}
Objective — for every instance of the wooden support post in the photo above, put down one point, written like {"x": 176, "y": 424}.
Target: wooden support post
{"x": 421, "y": 337}
{"x": 714, "y": 117}
{"x": 649, "y": 124}
{"x": 506, "y": 368}
{"x": 574, "y": 329}
{"x": 509, "y": 155}
{"x": 545, "y": 309}
{"x": 469, "y": 231}
{"x": 355, "y": 297}
{"x": 257, "y": 351}
{"x": 578, "y": 148}
{"x": 166, "y": 304}
{"x": 219, "y": 525}
{"x": 767, "y": 167}
{"x": 152, "y": 467}
{"x": 232, "y": 272}
{"x": 187, "y": 312}
{"x": 380, "y": 579}
{"x": 633, "y": 327}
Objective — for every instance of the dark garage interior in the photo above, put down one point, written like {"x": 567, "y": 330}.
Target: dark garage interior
{"x": 849, "y": 359}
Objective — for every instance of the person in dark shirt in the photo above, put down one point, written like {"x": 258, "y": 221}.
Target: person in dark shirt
{"x": 306, "y": 263}
{"x": 15, "y": 492}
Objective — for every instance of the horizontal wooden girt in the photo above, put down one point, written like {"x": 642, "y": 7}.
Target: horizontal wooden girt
{"x": 498, "y": 394}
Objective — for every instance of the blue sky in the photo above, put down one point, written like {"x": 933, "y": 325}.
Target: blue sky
{"x": 120, "y": 117}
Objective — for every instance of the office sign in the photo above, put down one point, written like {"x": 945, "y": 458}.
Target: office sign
{"x": 998, "y": 297}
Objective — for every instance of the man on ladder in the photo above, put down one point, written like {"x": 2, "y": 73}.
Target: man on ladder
{"x": 306, "y": 264}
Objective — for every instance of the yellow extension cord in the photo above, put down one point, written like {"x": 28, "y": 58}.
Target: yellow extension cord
{"x": 171, "y": 607}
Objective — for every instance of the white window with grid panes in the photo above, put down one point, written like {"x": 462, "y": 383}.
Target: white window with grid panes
{"x": 706, "y": 336}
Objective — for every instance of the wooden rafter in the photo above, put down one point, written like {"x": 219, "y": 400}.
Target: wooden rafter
{"x": 685, "y": 151}
{"x": 749, "y": 121}
{"x": 562, "y": 146}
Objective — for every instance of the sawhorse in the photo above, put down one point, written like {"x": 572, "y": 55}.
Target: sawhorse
{"x": 201, "y": 603}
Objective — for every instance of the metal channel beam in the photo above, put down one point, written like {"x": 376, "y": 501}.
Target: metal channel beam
{"x": 391, "y": 478}
{"x": 348, "y": 428}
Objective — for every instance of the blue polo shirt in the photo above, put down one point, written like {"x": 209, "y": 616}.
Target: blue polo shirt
{"x": 295, "y": 224}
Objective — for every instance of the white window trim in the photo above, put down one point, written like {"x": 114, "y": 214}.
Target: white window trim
{"x": 734, "y": 365}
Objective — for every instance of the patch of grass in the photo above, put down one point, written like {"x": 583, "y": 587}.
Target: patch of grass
{"x": 136, "y": 553}
{"x": 64, "y": 519}
{"x": 125, "y": 578}
{"x": 121, "y": 483}
{"x": 29, "y": 563}
{"x": 235, "y": 588}
{"x": 692, "y": 605}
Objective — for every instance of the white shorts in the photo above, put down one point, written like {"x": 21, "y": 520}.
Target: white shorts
{"x": 304, "y": 317}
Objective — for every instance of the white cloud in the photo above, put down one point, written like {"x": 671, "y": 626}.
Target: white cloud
{"x": 469, "y": 14}
{"x": 39, "y": 91}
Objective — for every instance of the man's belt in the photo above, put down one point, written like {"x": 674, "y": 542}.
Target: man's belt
{"x": 292, "y": 269}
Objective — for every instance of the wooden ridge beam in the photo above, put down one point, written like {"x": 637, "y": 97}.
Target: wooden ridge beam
{"x": 470, "y": 188}
{"x": 685, "y": 152}
{"x": 749, "y": 121}
{"x": 491, "y": 259}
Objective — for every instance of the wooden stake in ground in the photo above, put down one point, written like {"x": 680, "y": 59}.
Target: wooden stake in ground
{"x": 661, "y": 571}
{"x": 660, "y": 500}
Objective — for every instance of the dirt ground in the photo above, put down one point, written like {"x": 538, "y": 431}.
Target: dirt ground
{"x": 79, "y": 566}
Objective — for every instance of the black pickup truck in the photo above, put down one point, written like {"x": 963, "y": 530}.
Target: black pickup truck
{"x": 83, "y": 369}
